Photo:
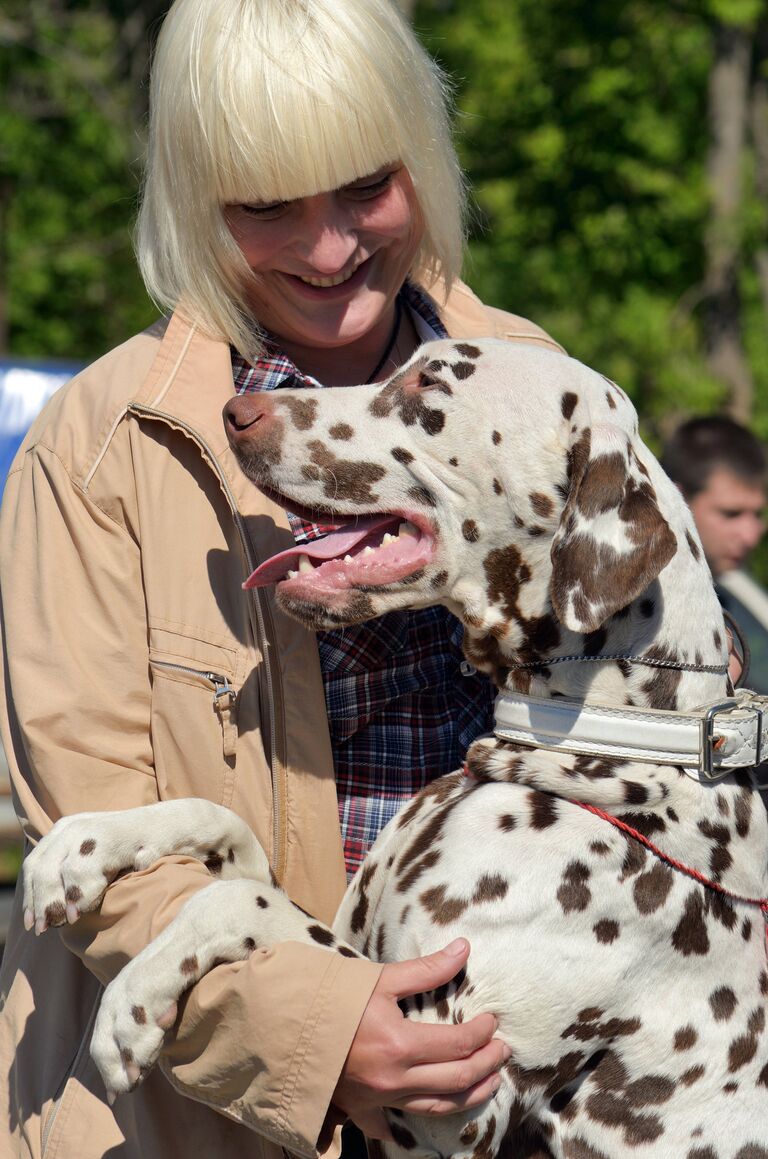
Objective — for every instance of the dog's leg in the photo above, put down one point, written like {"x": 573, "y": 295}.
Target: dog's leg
{"x": 225, "y": 922}
{"x": 71, "y": 867}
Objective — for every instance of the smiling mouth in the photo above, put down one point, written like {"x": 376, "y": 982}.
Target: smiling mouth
{"x": 367, "y": 551}
{"x": 335, "y": 280}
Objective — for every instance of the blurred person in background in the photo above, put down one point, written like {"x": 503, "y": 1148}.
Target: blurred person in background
{"x": 722, "y": 470}
{"x": 302, "y": 224}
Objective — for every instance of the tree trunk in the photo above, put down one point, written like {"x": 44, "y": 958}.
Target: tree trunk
{"x": 728, "y": 88}
{"x": 758, "y": 120}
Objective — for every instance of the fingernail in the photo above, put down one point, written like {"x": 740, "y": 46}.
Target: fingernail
{"x": 29, "y": 919}
{"x": 506, "y": 1052}
{"x": 457, "y": 948}
{"x": 495, "y": 1084}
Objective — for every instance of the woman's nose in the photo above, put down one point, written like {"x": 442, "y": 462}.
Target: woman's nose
{"x": 328, "y": 237}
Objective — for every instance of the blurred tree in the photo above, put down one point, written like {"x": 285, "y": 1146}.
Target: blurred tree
{"x": 71, "y": 117}
{"x": 587, "y": 131}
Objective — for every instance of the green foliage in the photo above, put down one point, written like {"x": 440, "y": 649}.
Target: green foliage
{"x": 68, "y": 141}
{"x": 583, "y": 127}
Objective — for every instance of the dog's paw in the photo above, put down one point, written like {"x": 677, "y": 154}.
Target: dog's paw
{"x": 136, "y": 1012}
{"x": 70, "y": 868}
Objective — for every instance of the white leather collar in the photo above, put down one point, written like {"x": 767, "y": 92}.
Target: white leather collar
{"x": 709, "y": 742}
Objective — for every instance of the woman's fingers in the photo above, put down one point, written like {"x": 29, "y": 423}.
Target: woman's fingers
{"x": 418, "y": 975}
{"x": 450, "y": 1104}
{"x": 431, "y": 1043}
{"x": 457, "y": 1074}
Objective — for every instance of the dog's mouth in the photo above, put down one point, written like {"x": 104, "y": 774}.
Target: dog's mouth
{"x": 363, "y": 551}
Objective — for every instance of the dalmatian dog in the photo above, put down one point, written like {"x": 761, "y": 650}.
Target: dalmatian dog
{"x": 612, "y": 902}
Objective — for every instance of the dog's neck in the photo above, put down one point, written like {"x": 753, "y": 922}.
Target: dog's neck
{"x": 677, "y": 619}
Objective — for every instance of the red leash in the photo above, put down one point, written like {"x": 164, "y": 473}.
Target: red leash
{"x": 680, "y": 866}
{"x": 762, "y": 902}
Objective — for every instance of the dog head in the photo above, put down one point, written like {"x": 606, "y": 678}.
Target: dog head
{"x": 504, "y": 481}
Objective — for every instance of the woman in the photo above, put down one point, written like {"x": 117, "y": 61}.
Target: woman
{"x": 301, "y": 221}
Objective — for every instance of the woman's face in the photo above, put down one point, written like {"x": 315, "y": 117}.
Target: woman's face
{"x": 329, "y": 266}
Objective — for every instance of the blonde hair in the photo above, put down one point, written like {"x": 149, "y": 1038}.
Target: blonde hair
{"x": 271, "y": 100}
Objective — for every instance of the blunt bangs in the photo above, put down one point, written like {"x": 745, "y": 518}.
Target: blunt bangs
{"x": 272, "y": 100}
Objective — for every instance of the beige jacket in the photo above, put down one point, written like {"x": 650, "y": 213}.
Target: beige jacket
{"x": 126, "y": 532}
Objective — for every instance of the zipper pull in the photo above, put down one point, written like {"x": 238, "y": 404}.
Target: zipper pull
{"x": 223, "y": 688}
{"x": 224, "y": 699}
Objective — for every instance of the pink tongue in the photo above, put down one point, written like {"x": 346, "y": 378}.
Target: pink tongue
{"x": 331, "y": 546}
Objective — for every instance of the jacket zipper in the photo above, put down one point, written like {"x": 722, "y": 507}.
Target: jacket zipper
{"x": 263, "y": 621}
{"x": 224, "y": 701}
{"x": 71, "y": 1070}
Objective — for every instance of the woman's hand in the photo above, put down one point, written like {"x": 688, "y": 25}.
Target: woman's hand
{"x": 420, "y": 1067}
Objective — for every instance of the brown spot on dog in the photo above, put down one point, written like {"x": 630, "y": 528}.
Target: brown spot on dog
{"x": 568, "y": 404}
{"x": 685, "y": 1038}
{"x": 541, "y": 504}
{"x": 402, "y": 456}
{"x": 55, "y": 914}
{"x": 470, "y": 531}
{"x": 692, "y": 1075}
{"x": 490, "y": 887}
{"x": 442, "y": 908}
{"x": 690, "y": 935}
{"x": 606, "y": 931}
{"x": 422, "y": 495}
{"x": 189, "y": 965}
{"x": 573, "y": 892}
{"x": 610, "y": 400}
{"x": 466, "y": 350}
{"x": 693, "y": 545}
{"x": 496, "y": 438}
{"x": 341, "y": 431}
{"x": 321, "y": 935}
{"x": 497, "y": 487}
{"x": 262, "y": 902}
{"x": 409, "y": 879}
{"x": 342, "y": 479}
{"x": 503, "y": 567}
{"x": 249, "y": 945}
{"x": 463, "y": 370}
{"x": 139, "y": 1015}
{"x": 87, "y": 848}
{"x": 651, "y": 890}
{"x": 439, "y": 580}
{"x": 722, "y": 1003}
{"x": 410, "y": 404}
{"x": 213, "y": 861}
{"x": 303, "y": 411}
{"x": 401, "y": 1135}
{"x": 544, "y": 809}
{"x": 73, "y": 893}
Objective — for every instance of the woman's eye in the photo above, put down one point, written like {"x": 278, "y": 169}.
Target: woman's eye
{"x": 370, "y": 188}
{"x": 265, "y": 212}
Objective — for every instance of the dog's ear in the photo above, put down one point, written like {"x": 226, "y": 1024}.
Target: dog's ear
{"x": 613, "y": 540}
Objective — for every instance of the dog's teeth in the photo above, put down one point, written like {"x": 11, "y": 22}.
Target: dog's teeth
{"x": 347, "y": 559}
{"x": 304, "y": 564}
{"x": 291, "y": 574}
{"x": 387, "y": 539}
{"x": 408, "y": 529}
{"x": 367, "y": 551}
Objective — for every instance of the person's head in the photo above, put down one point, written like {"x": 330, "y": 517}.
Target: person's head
{"x": 721, "y": 469}
{"x": 259, "y": 102}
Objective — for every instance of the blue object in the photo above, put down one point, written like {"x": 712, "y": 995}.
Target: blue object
{"x": 25, "y": 387}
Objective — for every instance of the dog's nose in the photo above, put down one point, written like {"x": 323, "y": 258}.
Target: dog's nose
{"x": 243, "y": 412}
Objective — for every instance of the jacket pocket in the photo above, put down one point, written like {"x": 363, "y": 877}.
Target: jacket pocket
{"x": 194, "y": 716}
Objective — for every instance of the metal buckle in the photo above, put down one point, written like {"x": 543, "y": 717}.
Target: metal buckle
{"x": 706, "y": 767}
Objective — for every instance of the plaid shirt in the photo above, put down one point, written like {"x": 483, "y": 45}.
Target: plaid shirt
{"x": 402, "y": 703}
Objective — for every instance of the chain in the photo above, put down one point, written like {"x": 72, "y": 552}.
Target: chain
{"x": 718, "y": 669}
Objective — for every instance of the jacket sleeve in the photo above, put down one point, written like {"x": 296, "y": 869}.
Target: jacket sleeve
{"x": 263, "y": 1040}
